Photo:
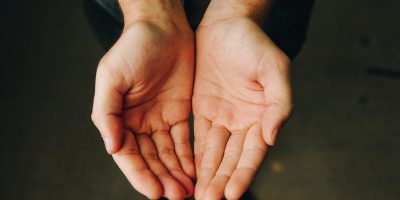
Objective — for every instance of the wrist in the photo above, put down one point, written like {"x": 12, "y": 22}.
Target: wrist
{"x": 220, "y": 10}
{"x": 160, "y": 12}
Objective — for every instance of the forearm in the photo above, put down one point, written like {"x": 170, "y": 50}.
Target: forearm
{"x": 226, "y": 9}
{"x": 153, "y": 10}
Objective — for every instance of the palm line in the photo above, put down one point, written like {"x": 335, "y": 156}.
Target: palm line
{"x": 229, "y": 93}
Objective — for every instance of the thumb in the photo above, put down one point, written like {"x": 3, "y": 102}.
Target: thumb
{"x": 107, "y": 108}
{"x": 272, "y": 120}
{"x": 277, "y": 98}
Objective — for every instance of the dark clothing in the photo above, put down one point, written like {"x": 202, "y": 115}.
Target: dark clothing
{"x": 286, "y": 23}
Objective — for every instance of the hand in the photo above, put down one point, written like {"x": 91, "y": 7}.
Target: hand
{"x": 142, "y": 105}
{"x": 241, "y": 98}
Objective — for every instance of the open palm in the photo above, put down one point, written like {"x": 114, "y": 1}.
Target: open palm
{"x": 142, "y": 106}
{"x": 241, "y": 98}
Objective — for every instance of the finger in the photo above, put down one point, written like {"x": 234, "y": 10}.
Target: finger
{"x": 181, "y": 138}
{"x": 274, "y": 117}
{"x": 233, "y": 150}
{"x": 278, "y": 101}
{"x": 166, "y": 153}
{"x": 214, "y": 148}
{"x": 107, "y": 108}
{"x": 135, "y": 169}
{"x": 201, "y": 128}
{"x": 172, "y": 188}
{"x": 254, "y": 151}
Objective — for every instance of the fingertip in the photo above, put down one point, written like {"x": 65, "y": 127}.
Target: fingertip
{"x": 155, "y": 195}
{"x": 185, "y": 181}
{"x": 107, "y": 144}
{"x": 271, "y": 124}
{"x": 149, "y": 187}
{"x": 270, "y": 136}
{"x": 131, "y": 163}
{"x": 147, "y": 184}
{"x": 231, "y": 190}
{"x": 112, "y": 145}
{"x": 172, "y": 187}
{"x": 229, "y": 194}
{"x": 111, "y": 131}
{"x": 107, "y": 108}
{"x": 181, "y": 138}
{"x": 173, "y": 190}
{"x": 188, "y": 167}
{"x": 154, "y": 192}
{"x": 239, "y": 182}
{"x": 215, "y": 190}
{"x": 190, "y": 170}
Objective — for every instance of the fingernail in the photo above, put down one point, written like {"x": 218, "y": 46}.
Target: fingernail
{"x": 107, "y": 144}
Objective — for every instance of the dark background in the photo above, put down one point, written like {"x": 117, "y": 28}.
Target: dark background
{"x": 343, "y": 141}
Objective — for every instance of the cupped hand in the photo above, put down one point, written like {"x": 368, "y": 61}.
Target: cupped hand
{"x": 241, "y": 98}
{"x": 142, "y": 105}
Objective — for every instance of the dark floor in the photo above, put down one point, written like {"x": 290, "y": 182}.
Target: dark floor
{"x": 343, "y": 141}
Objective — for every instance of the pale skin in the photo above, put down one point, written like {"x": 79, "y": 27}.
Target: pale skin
{"x": 241, "y": 97}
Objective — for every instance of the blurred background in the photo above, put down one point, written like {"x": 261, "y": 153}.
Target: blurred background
{"x": 343, "y": 141}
